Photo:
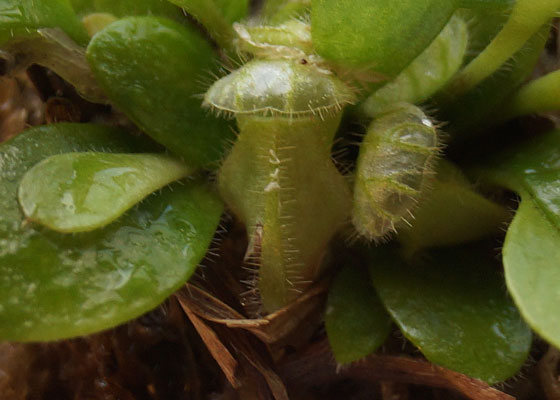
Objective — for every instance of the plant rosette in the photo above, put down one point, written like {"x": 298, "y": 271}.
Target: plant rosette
{"x": 347, "y": 138}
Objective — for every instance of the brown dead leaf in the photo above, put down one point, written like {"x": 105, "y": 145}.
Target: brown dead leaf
{"x": 259, "y": 379}
{"x": 219, "y": 351}
{"x": 269, "y": 329}
{"x": 250, "y": 350}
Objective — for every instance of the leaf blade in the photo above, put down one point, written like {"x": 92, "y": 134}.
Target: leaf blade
{"x": 79, "y": 192}
{"x": 149, "y": 69}
{"x": 20, "y": 17}
{"x": 355, "y": 320}
{"x": 387, "y": 36}
{"x": 532, "y": 241}
{"x": 447, "y": 315}
{"x": 530, "y": 250}
{"x": 55, "y": 286}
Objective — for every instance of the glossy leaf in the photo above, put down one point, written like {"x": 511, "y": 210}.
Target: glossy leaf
{"x": 55, "y": 286}
{"x": 451, "y": 213}
{"x": 384, "y": 35}
{"x": 531, "y": 253}
{"x": 149, "y": 68}
{"x": 356, "y": 322}
{"x": 52, "y": 48}
{"x": 455, "y": 309}
{"x": 21, "y": 17}
{"x": 531, "y": 249}
{"x": 428, "y": 73}
{"x": 78, "y": 192}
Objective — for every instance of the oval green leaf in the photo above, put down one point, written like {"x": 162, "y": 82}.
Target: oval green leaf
{"x": 384, "y": 35}
{"x": 532, "y": 246}
{"x": 456, "y": 310}
{"x": 55, "y": 286}
{"x": 356, "y": 321}
{"x": 149, "y": 68}
{"x": 22, "y": 17}
{"x": 531, "y": 253}
{"x": 78, "y": 192}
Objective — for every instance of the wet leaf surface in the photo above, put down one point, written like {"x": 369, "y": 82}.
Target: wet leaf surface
{"x": 78, "y": 192}
{"x": 532, "y": 246}
{"x": 56, "y": 286}
{"x": 455, "y": 309}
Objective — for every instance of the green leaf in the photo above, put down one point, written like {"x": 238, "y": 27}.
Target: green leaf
{"x": 484, "y": 25}
{"x": 531, "y": 253}
{"x": 487, "y": 4}
{"x": 525, "y": 20}
{"x": 537, "y": 96}
{"x": 532, "y": 246}
{"x": 430, "y": 71}
{"x": 451, "y": 213}
{"x": 54, "y": 286}
{"x": 230, "y": 10}
{"x": 21, "y": 17}
{"x": 149, "y": 68}
{"x": 385, "y": 35}
{"x": 279, "y": 11}
{"x": 467, "y": 113}
{"x": 356, "y": 322}
{"x": 217, "y": 16}
{"x": 456, "y": 310}
{"x": 126, "y": 8}
{"x": 78, "y": 192}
